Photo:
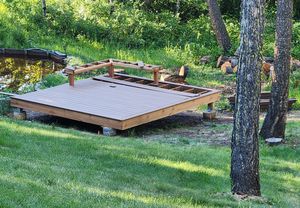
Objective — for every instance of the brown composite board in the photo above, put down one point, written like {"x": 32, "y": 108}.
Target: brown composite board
{"x": 210, "y": 97}
{"x": 78, "y": 116}
{"x": 103, "y": 99}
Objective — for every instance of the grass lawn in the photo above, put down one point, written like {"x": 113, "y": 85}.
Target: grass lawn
{"x": 47, "y": 166}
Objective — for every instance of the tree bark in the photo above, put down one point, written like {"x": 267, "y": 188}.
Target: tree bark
{"x": 275, "y": 121}
{"x": 218, "y": 25}
{"x": 177, "y": 7}
{"x": 244, "y": 144}
{"x": 112, "y": 7}
{"x": 44, "y": 7}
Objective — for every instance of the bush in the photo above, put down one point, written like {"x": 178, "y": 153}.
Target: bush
{"x": 53, "y": 80}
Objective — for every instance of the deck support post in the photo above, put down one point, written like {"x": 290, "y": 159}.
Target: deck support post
{"x": 155, "y": 76}
{"x": 111, "y": 70}
{"x": 107, "y": 131}
{"x": 19, "y": 114}
{"x": 210, "y": 113}
{"x": 71, "y": 79}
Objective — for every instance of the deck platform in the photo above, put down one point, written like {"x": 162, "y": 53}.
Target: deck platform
{"x": 118, "y": 102}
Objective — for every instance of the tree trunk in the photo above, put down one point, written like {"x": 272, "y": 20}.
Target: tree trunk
{"x": 275, "y": 121}
{"x": 244, "y": 145}
{"x": 218, "y": 25}
{"x": 44, "y": 7}
{"x": 177, "y": 7}
{"x": 112, "y": 7}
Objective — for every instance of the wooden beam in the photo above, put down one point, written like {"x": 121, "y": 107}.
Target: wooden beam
{"x": 71, "y": 79}
{"x": 171, "y": 110}
{"x": 87, "y": 118}
{"x": 111, "y": 70}
{"x": 155, "y": 76}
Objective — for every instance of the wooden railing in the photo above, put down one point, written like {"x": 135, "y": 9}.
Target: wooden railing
{"x": 111, "y": 63}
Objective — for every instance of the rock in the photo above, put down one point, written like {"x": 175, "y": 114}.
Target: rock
{"x": 209, "y": 114}
{"x": 205, "y": 59}
{"x": 295, "y": 65}
{"x": 221, "y": 60}
{"x": 269, "y": 60}
{"x": 234, "y": 62}
{"x": 273, "y": 141}
{"x": 107, "y": 131}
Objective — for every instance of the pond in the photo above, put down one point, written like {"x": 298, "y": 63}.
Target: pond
{"x": 16, "y": 74}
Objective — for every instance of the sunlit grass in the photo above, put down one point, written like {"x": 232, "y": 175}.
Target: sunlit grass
{"x": 68, "y": 168}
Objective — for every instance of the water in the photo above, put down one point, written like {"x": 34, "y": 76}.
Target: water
{"x": 16, "y": 74}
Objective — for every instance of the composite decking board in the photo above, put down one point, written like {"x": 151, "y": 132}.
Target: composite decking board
{"x": 100, "y": 99}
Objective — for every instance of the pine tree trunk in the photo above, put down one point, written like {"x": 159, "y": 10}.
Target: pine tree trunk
{"x": 218, "y": 25}
{"x": 244, "y": 145}
{"x": 275, "y": 121}
{"x": 44, "y": 7}
{"x": 177, "y": 7}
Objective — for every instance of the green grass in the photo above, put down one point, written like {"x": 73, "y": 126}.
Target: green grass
{"x": 46, "y": 166}
{"x": 82, "y": 51}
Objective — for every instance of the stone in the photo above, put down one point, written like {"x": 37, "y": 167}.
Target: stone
{"x": 107, "y": 131}
{"x": 234, "y": 62}
{"x": 209, "y": 114}
{"x": 19, "y": 114}
{"x": 205, "y": 59}
{"x": 273, "y": 141}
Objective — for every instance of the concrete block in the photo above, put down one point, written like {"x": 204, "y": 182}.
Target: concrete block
{"x": 107, "y": 131}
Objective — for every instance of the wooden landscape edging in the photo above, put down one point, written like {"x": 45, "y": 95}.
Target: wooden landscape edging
{"x": 34, "y": 53}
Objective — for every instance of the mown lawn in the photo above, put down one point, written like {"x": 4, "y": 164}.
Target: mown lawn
{"x": 46, "y": 166}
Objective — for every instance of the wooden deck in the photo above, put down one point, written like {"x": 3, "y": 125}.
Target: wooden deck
{"x": 119, "y": 102}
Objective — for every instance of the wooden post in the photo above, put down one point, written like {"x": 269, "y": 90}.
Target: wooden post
{"x": 71, "y": 79}
{"x": 210, "y": 107}
{"x": 155, "y": 76}
{"x": 210, "y": 114}
{"x": 111, "y": 70}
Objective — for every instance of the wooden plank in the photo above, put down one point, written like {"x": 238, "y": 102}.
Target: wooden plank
{"x": 93, "y": 67}
{"x": 171, "y": 110}
{"x": 65, "y": 113}
{"x": 142, "y": 86}
{"x": 172, "y": 83}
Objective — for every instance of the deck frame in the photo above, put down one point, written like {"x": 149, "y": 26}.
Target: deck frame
{"x": 188, "y": 96}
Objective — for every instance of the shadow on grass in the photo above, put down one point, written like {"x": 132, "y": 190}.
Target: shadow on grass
{"x": 148, "y": 174}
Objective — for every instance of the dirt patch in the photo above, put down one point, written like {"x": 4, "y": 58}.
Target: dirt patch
{"x": 186, "y": 128}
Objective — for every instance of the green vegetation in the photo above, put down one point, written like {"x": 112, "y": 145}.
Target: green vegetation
{"x": 46, "y": 166}
{"x": 87, "y": 31}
